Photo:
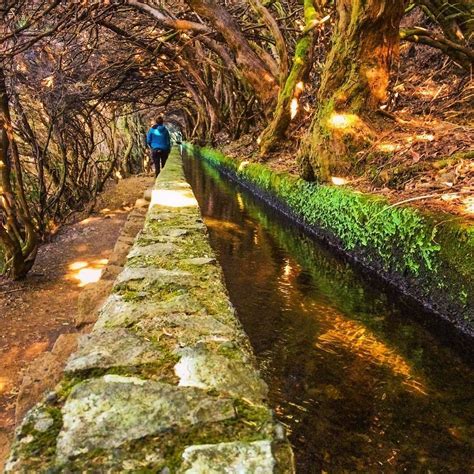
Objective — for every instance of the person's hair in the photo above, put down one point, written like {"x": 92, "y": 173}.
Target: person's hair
{"x": 159, "y": 120}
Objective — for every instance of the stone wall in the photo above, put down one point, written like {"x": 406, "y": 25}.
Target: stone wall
{"x": 166, "y": 381}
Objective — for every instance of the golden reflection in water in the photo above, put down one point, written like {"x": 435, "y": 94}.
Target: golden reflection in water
{"x": 172, "y": 198}
{"x": 240, "y": 202}
{"x": 222, "y": 226}
{"x": 360, "y": 341}
{"x": 86, "y": 272}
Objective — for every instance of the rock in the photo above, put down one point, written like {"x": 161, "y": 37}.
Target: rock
{"x": 117, "y": 312}
{"x": 121, "y": 249}
{"x": 147, "y": 277}
{"x": 108, "y": 411}
{"x": 44, "y": 373}
{"x": 43, "y": 422}
{"x": 141, "y": 203}
{"x": 65, "y": 345}
{"x": 147, "y": 194}
{"x": 90, "y": 300}
{"x": 110, "y": 272}
{"x": 132, "y": 227}
{"x": 201, "y": 368}
{"x": 152, "y": 250}
{"x": 236, "y": 457}
{"x": 185, "y": 329}
{"x": 111, "y": 348}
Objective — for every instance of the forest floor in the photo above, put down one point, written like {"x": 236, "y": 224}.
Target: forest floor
{"x": 424, "y": 146}
{"x": 34, "y": 312}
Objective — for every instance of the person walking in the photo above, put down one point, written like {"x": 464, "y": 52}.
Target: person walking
{"x": 158, "y": 139}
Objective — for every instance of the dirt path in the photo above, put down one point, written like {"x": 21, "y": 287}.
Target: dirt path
{"x": 34, "y": 312}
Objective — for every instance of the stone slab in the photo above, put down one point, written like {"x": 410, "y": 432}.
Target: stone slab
{"x": 111, "y": 348}
{"x": 201, "y": 368}
{"x": 110, "y": 410}
{"x": 229, "y": 458}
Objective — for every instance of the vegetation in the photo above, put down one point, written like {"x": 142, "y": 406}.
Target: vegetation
{"x": 399, "y": 242}
{"x": 80, "y": 81}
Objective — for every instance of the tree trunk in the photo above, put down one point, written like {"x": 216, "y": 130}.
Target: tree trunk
{"x": 353, "y": 85}
{"x": 17, "y": 234}
{"x": 293, "y": 87}
{"x": 253, "y": 69}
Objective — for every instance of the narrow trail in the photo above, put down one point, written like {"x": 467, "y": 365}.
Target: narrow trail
{"x": 34, "y": 312}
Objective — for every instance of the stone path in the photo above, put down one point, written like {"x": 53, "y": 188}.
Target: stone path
{"x": 166, "y": 381}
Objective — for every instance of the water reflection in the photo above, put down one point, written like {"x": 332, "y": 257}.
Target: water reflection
{"x": 360, "y": 385}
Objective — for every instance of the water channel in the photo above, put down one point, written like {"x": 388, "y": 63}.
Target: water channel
{"x": 358, "y": 381}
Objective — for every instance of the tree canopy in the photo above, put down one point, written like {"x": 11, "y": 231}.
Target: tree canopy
{"x": 80, "y": 80}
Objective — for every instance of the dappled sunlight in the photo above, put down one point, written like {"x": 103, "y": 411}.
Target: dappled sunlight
{"x": 337, "y": 181}
{"x": 357, "y": 339}
{"x": 171, "y": 198}
{"x": 220, "y": 225}
{"x": 342, "y": 121}
{"x": 429, "y": 137}
{"x": 5, "y": 384}
{"x": 388, "y": 147}
{"x": 468, "y": 205}
{"x": 420, "y": 137}
{"x": 240, "y": 202}
{"x": 35, "y": 349}
{"x": 294, "y": 107}
{"x": 244, "y": 163}
{"x": 85, "y": 272}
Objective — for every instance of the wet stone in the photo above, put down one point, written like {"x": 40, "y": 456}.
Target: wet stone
{"x": 111, "y": 348}
{"x": 108, "y": 411}
{"x": 237, "y": 457}
{"x": 199, "y": 367}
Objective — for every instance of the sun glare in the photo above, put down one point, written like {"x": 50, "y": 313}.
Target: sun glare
{"x": 294, "y": 107}
{"x": 86, "y": 272}
{"x": 170, "y": 198}
{"x": 338, "y": 181}
{"x": 469, "y": 205}
{"x": 342, "y": 121}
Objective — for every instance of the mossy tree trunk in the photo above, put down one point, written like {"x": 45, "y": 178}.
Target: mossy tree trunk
{"x": 18, "y": 238}
{"x": 353, "y": 85}
{"x": 293, "y": 86}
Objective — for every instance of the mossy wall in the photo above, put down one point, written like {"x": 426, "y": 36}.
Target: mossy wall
{"x": 427, "y": 257}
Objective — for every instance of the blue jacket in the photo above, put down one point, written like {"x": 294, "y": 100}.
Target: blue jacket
{"x": 158, "y": 138}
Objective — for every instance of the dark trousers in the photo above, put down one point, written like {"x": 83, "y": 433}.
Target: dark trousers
{"x": 159, "y": 158}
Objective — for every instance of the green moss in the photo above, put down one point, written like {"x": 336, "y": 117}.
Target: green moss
{"x": 162, "y": 370}
{"x": 401, "y": 240}
{"x": 137, "y": 290}
{"x": 156, "y": 452}
{"x": 39, "y": 446}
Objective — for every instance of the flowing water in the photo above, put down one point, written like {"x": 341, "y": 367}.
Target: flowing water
{"x": 356, "y": 379}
